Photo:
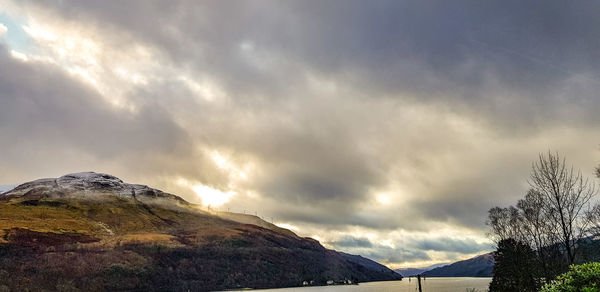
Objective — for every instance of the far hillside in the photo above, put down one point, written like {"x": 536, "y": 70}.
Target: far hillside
{"x": 479, "y": 266}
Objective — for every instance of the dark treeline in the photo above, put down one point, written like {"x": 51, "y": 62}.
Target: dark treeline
{"x": 551, "y": 228}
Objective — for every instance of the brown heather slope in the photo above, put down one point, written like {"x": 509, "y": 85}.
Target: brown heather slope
{"x": 93, "y": 232}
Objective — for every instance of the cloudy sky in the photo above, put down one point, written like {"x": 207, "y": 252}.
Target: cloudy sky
{"x": 383, "y": 128}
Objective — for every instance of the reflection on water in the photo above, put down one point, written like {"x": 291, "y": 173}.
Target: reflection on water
{"x": 428, "y": 285}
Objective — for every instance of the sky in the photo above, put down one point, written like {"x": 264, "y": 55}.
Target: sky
{"x": 381, "y": 128}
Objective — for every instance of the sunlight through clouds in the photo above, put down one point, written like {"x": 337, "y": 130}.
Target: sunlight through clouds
{"x": 288, "y": 226}
{"x": 19, "y": 55}
{"x": 114, "y": 73}
{"x": 384, "y": 199}
{"x": 210, "y": 196}
{"x": 235, "y": 173}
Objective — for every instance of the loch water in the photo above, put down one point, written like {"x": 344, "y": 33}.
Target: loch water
{"x": 457, "y": 284}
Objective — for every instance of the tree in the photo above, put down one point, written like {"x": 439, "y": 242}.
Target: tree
{"x": 565, "y": 195}
{"x": 593, "y": 217}
{"x": 553, "y": 218}
{"x": 515, "y": 268}
{"x": 528, "y": 223}
{"x": 538, "y": 231}
{"x": 505, "y": 223}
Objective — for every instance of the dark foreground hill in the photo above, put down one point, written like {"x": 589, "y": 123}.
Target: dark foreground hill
{"x": 479, "y": 266}
{"x": 93, "y": 232}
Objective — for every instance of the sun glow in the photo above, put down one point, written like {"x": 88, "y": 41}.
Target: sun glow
{"x": 204, "y": 88}
{"x": 19, "y": 55}
{"x": 224, "y": 163}
{"x": 208, "y": 195}
{"x": 383, "y": 199}
{"x": 288, "y": 226}
{"x": 212, "y": 197}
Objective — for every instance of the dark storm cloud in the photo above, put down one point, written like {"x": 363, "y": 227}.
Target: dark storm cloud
{"x": 529, "y": 45}
{"x": 378, "y": 252}
{"x": 514, "y": 64}
{"x": 505, "y": 58}
{"x": 411, "y": 249}
{"x": 349, "y": 241}
{"x": 396, "y": 255}
{"x": 467, "y": 246}
{"x": 526, "y": 44}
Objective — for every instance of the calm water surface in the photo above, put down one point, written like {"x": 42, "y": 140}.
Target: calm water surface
{"x": 429, "y": 285}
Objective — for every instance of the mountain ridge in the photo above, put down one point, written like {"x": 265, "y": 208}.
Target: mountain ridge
{"x": 478, "y": 266}
{"x": 409, "y": 272}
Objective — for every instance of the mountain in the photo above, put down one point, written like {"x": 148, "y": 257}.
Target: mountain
{"x": 479, "y": 266}
{"x": 409, "y": 272}
{"x": 94, "y": 232}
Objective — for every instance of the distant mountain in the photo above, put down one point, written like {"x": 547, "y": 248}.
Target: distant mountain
{"x": 369, "y": 264}
{"x": 409, "y": 272}
{"x": 94, "y": 232}
{"x": 479, "y": 266}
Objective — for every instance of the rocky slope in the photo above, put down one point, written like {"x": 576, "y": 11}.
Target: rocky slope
{"x": 94, "y": 232}
{"x": 479, "y": 266}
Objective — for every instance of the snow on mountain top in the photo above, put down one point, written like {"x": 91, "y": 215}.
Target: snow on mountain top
{"x": 85, "y": 180}
{"x": 90, "y": 183}
{"x": 90, "y": 175}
